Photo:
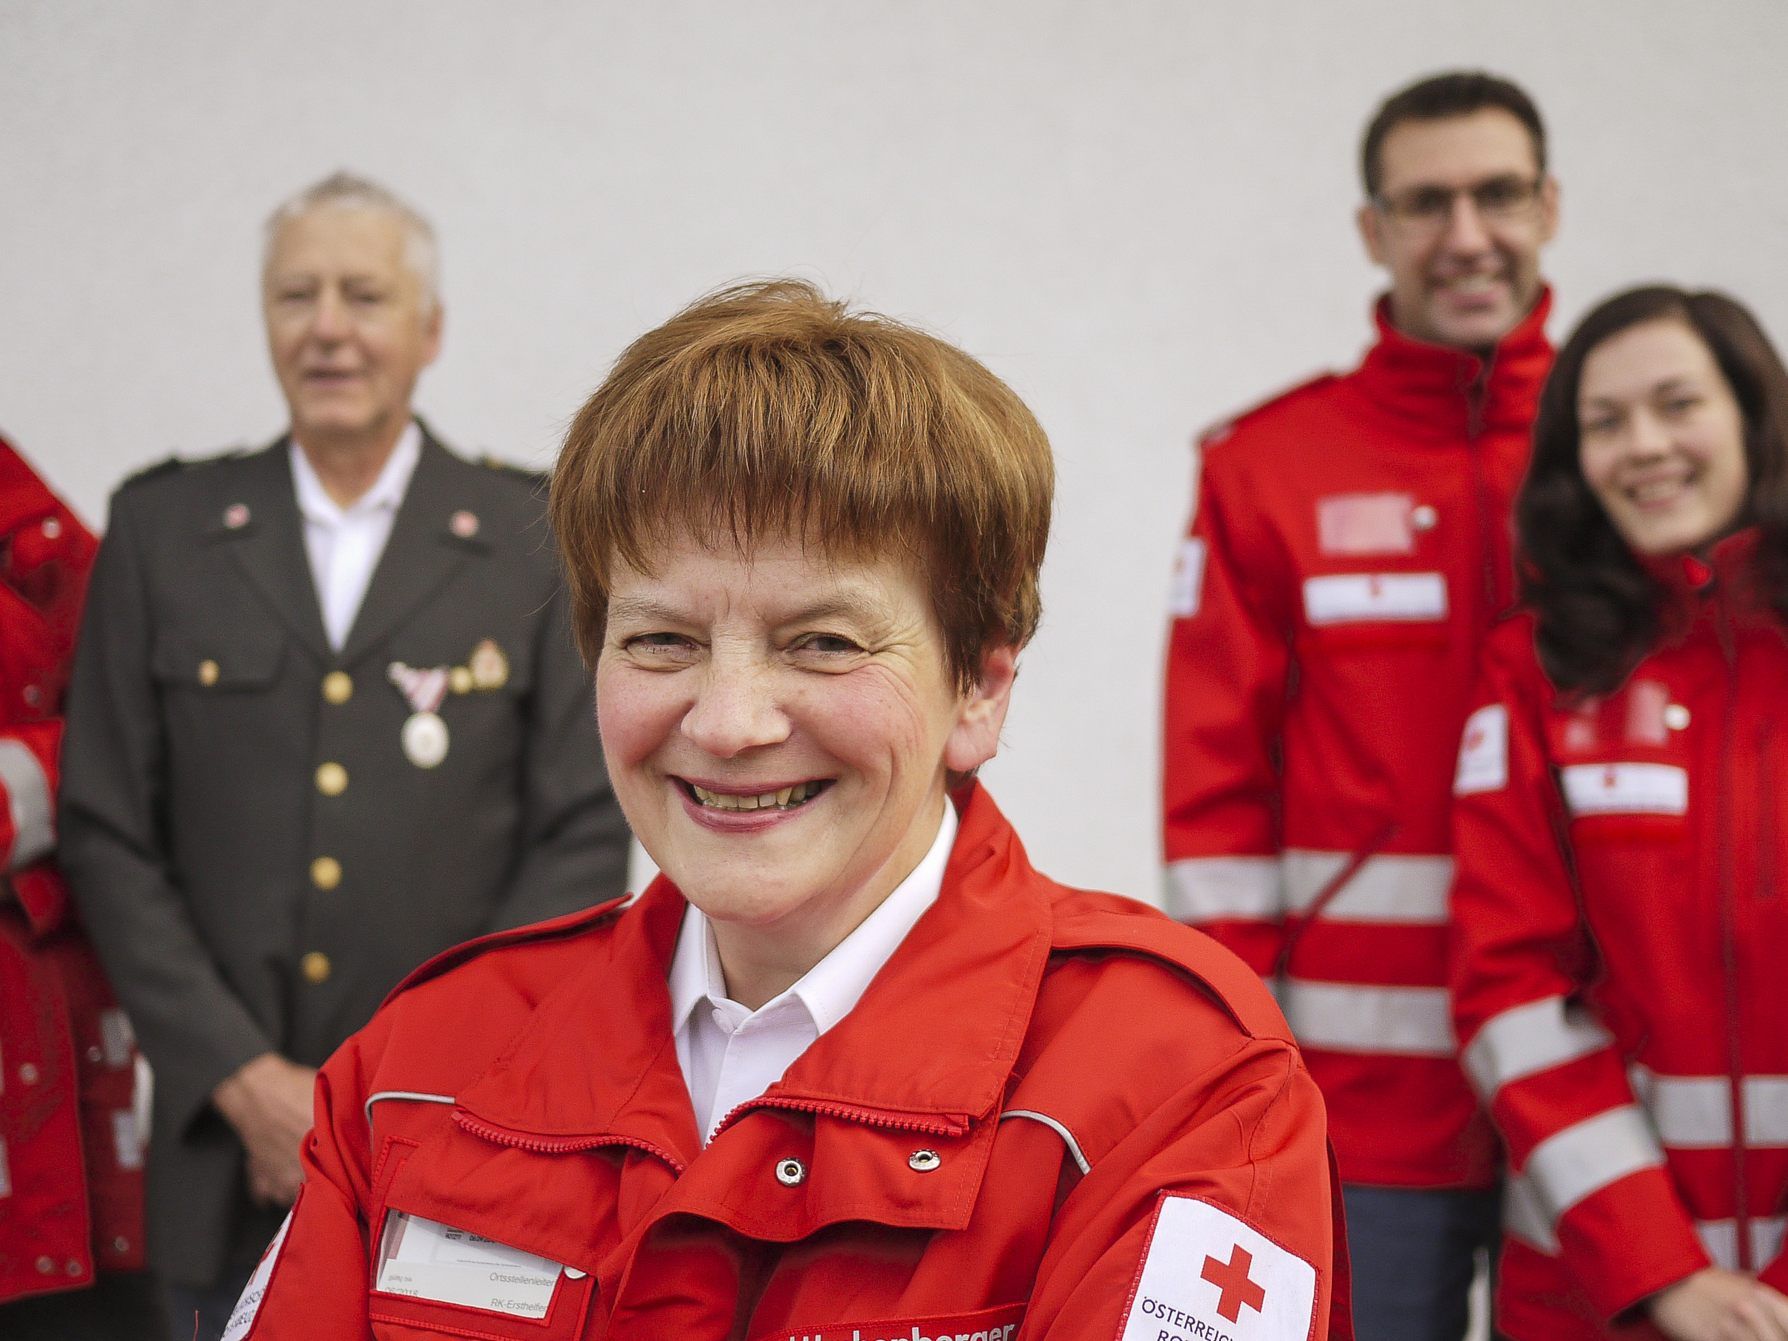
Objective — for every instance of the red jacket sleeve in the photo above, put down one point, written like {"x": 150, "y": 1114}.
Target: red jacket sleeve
{"x": 312, "y": 1281}
{"x": 1228, "y": 663}
{"x": 1588, "y": 1166}
{"x": 1223, "y": 1198}
{"x": 28, "y": 821}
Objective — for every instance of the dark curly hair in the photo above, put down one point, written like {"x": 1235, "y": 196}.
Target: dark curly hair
{"x": 1599, "y": 610}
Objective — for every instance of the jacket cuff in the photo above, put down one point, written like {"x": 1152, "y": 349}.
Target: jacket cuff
{"x": 43, "y": 894}
{"x": 1619, "y": 1268}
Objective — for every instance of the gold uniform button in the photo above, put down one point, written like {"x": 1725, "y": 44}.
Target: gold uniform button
{"x": 332, "y": 779}
{"x": 338, "y": 686}
{"x": 325, "y": 873}
{"x": 315, "y": 968}
{"x": 208, "y": 672}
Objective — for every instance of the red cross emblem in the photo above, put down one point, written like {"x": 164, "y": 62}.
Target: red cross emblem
{"x": 1231, "y": 1280}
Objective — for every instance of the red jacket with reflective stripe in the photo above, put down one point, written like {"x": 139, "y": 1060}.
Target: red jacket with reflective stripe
{"x": 1621, "y": 909}
{"x": 1349, "y": 548}
{"x": 978, "y": 1147}
{"x": 71, "y": 1184}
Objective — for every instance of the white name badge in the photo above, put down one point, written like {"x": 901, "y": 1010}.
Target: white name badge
{"x": 428, "y": 1260}
{"x": 1626, "y": 789}
{"x": 1207, "y": 1274}
{"x": 1348, "y": 597}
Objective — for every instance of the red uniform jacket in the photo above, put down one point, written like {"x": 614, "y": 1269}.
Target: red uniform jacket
{"x": 1041, "y": 1089}
{"x": 1621, "y": 994}
{"x": 1349, "y": 549}
{"x": 71, "y": 1183}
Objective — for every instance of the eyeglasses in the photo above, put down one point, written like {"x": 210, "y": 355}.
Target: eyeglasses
{"x": 1496, "y": 200}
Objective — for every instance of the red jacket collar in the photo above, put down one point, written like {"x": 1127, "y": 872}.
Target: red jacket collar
{"x": 930, "y": 1045}
{"x": 1727, "y": 570}
{"x": 1450, "y": 393}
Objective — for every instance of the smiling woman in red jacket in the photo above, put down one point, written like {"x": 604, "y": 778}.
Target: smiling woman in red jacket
{"x": 1620, "y": 899}
{"x": 851, "y": 1069}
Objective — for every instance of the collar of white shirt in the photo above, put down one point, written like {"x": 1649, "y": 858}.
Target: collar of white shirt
{"x": 730, "y": 1054}
{"x": 387, "y": 491}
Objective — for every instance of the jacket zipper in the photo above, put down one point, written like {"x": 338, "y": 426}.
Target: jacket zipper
{"x": 869, "y": 1116}
{"x": 1724, "y": 829}
{"x": 557, "y": 1145}
{"x": 1477, "y": 396}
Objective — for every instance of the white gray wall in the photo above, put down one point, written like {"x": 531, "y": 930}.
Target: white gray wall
{"x": 1138, "y": 213}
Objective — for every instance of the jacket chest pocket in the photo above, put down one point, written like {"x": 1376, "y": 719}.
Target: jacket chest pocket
{"x": 225, "y": 664}
{"x": 432, "y": 1279}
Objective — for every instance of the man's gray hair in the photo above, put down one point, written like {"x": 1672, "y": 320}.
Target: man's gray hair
{"x": 345, "y": 190}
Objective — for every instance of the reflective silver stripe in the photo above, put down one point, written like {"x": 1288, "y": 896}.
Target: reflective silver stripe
{"x": 1720, "y": 1238}
{"x": 1346, "y": 1017}
{"x": 1695, "y": 1112}
{"x": 1531, "y": 1038}
{"x": 1589, "y": 1155}
{"x": 28, "y": 800}
{"x": 1067, "y": 1136}
{"x": 1766, "y": 1110}
{"x": 1525, "y": 1218}
{"x": 1384, "y": 889}
{"x": 413, "y": 1096}
{"x": 1210, "y": 889}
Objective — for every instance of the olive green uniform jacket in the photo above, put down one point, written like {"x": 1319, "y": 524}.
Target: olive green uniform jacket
{"x": 255, "y": 854}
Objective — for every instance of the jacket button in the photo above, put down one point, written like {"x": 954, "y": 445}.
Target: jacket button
{"x": 1423, "y": 517}
{"x": 1676, "y": 717}
{"x": 923, "y": 1161}
{"x": 791, "y": 1173}
{"x": 28, "y": 1073}
{"x": 208, "y": 672}
{"x": 33, "y": 696}
{"x": 121, "y": 1244}
{"x": 325, "y": 873}
{"x": 95, "y": 1056}
{"x": 45, "y": 1266}
{"x": 332, "y": 778}
{"x": 338, "y": 687}
{"x": 52, "y": 528}
{"x": 315, "y": 967}
{"x": 72, "y": 1267}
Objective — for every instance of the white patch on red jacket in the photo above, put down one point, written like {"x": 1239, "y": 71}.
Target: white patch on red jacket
{"x": 1484, "y": 752}
{"x": 1626, "y": 789}
{"x": 1346, "y": 598}
{"x": 242, "y": 1317}
{"x": 1208, "y": 1274}
{"x": 1365, "y": 524}
{"x": 1188, "y": 578}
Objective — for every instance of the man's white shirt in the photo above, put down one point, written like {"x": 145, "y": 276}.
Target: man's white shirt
{"x": 730, "y": 1054}
{"x": 344, "y": 544}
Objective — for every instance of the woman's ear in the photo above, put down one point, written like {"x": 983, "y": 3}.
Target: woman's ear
{"x": 975, "y": 738}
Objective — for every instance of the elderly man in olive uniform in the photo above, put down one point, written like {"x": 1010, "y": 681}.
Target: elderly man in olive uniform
{"x": 326, "y": 721}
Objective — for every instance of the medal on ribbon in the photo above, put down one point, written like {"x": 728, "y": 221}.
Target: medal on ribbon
{"x": 424, "y": 736}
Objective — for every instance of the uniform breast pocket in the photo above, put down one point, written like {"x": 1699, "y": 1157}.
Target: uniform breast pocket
{"x": 433, "y": 1279}
{"x": 230, "y": 663}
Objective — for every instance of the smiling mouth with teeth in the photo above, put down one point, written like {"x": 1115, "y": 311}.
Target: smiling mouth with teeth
{"x": 784, "y": 798}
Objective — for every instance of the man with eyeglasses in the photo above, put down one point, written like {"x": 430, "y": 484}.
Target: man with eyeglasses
{"x": 1349, "y": 549}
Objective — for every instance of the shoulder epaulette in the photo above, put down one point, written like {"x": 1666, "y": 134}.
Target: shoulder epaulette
{"x": 175, "y": 464}
{"x": 557, "y": 928}
{"x": 1223, "y": 428}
